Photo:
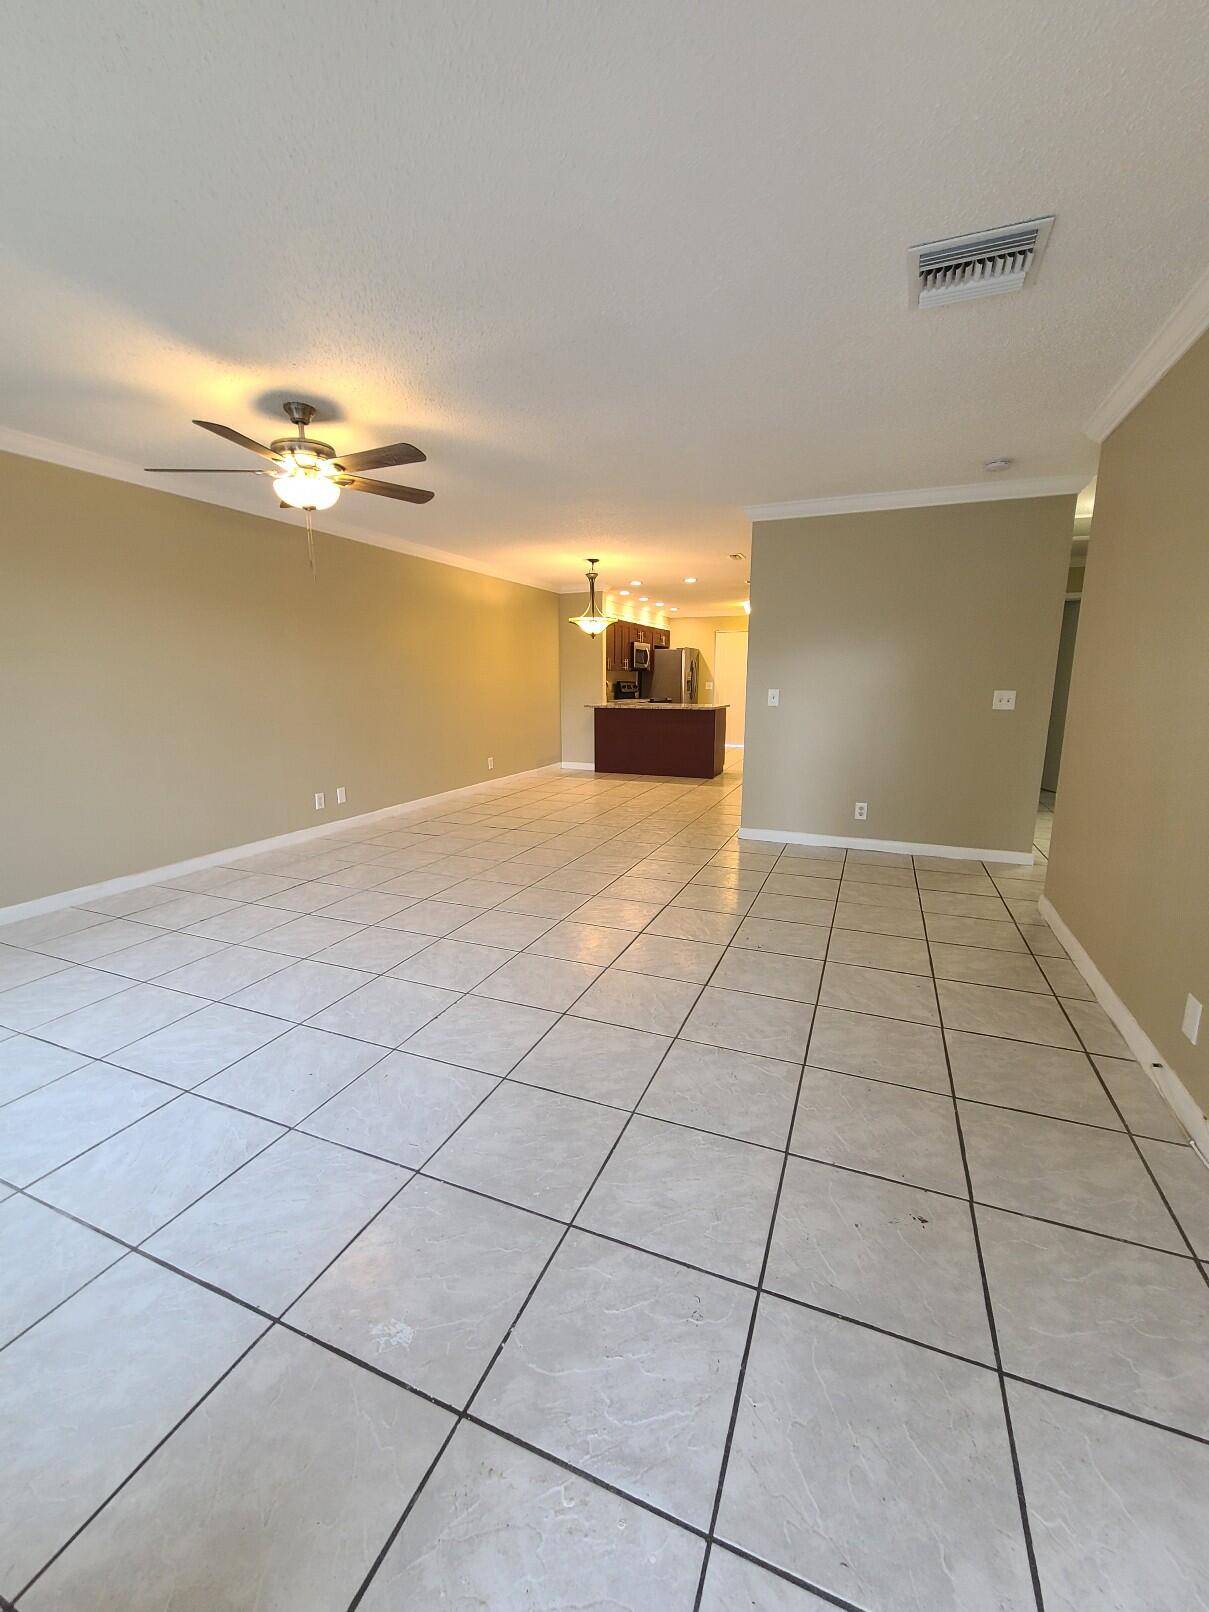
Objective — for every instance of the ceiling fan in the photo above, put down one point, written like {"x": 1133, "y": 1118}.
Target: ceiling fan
{"x": 308, "y": 474}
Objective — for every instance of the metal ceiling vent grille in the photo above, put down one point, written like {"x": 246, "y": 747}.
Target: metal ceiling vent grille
{"x": 982, "y": 265}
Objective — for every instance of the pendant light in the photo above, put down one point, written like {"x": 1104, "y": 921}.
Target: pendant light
{"x": 593, "y": 621}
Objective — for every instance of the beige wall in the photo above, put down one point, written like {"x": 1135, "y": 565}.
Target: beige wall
{"x": 173, "y": 682}
{"x": 581, "y": 670}
{"x": 697, "y": 632}
{"x": 1129, "y": 868}
{"x": 886, "y": 634}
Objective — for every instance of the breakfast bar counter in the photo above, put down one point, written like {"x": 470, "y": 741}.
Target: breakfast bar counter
{"x": 660, "y": 739}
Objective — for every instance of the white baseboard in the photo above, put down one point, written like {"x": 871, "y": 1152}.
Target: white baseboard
{"x": 211, "y": 859}
{"x": 574, "y": 766}
{"x": 1170, "y": 1087}
{"x": 971, "y": 853}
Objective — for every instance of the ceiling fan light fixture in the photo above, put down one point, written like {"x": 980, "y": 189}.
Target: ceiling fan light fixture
{"x": 306, "y": 488}
{"x": 593, "y": 621}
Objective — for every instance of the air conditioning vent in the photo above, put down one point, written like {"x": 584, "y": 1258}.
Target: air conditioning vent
{"x": 982, "y": 265}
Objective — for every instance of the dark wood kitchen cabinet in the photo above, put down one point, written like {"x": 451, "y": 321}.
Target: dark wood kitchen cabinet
{"x": 620, "y": 638}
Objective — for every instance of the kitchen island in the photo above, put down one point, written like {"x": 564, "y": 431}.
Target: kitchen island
{"x": 660, "y": 739}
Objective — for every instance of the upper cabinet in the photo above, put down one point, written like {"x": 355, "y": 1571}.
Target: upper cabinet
{"x": 620, "y": 638}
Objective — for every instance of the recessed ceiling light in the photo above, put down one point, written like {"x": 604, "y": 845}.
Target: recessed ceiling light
{"x": 673, "y": 609}
{"x": 642, "y": 598}
{"x": 658, "y": 604}
{"x": 624, "y": 593}
{"x": 738, "y": 556}
{"x": 996, "y": 464}
{"x": 690, "y": 579}
{"x": 635, "y": 583}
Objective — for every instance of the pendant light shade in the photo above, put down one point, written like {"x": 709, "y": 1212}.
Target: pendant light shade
{"x": 593, "y": 621}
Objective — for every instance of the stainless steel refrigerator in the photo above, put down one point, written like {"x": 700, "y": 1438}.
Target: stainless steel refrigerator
{"x": 674, "y": 676}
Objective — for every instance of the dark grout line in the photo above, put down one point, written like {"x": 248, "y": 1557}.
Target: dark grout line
{"x": 817, "y": 1590}
{"x": 1111, "y": 1410}
{"x": 138, "y": 1467}
{"x": 596, "y": 1480}
{"x": 1017, "y": 1473}
{"x": 737, "y": 1400}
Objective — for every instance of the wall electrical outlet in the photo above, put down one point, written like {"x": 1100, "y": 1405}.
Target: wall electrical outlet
{"x": 1192, "y": 1018}
{"x": 341, "y": 795}
{"x": 862, "y": 811}
{"x": 319, "y": 800}
{"x": 774, "y": 696}
{"x": 1003, "y": 699}
{"x": 490, "y": 763}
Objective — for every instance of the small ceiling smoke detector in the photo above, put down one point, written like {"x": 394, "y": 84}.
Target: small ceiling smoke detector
{"x": 983, "y": 265}
{"x": 997, "y": 464}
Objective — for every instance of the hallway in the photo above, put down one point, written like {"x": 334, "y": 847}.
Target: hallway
{"x": 552, "y": 1201}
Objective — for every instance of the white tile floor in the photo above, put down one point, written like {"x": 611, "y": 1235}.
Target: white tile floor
{"x": 552, "y": 1202}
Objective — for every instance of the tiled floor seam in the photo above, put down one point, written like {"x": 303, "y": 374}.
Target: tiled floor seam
{"x": 1017, "y": 1473}
{"x": 737, "y": 1399}
{"x": 158, "y": 1445}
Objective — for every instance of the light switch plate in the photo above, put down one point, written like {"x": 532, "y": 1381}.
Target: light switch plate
{"x": 774, "y": 696}
{"x": 341, "y": 796}
{"x": 319, "y": 800}
{"x": 1003, "y": 699}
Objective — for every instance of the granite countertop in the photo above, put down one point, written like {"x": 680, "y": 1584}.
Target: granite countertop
{"x": 651, "y": 705}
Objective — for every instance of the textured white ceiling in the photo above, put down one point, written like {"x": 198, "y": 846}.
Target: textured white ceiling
{"x": 619, "y": 268}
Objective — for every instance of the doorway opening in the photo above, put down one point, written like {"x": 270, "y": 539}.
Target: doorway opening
{"x": 730, "y": 682}
{"x": 1052, "y": 765}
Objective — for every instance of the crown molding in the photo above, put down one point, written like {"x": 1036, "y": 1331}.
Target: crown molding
{"x": 99, "y": 464}
{"x": 975, "y": 492}
{"x": 1165, "y": 348}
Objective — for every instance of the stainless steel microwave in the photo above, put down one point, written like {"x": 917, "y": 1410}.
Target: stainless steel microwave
{"x": 642, "y": 657}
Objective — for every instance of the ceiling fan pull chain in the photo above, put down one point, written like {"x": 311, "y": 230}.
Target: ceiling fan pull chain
{"x": 310, "y": 546}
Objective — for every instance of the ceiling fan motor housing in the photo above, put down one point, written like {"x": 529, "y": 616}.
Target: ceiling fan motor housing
{"x": 321, "y": 450}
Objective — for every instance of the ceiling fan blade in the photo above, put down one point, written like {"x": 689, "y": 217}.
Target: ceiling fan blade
{"x": 238, "y": 438}
{"x": 200, "y": 470}
{"x": 385, "y": 489}
{"x": 395, "y": 453}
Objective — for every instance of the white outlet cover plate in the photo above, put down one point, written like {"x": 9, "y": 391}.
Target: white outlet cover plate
{"x": 1003, "y": 699}
{"x": 774, "y": 696}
